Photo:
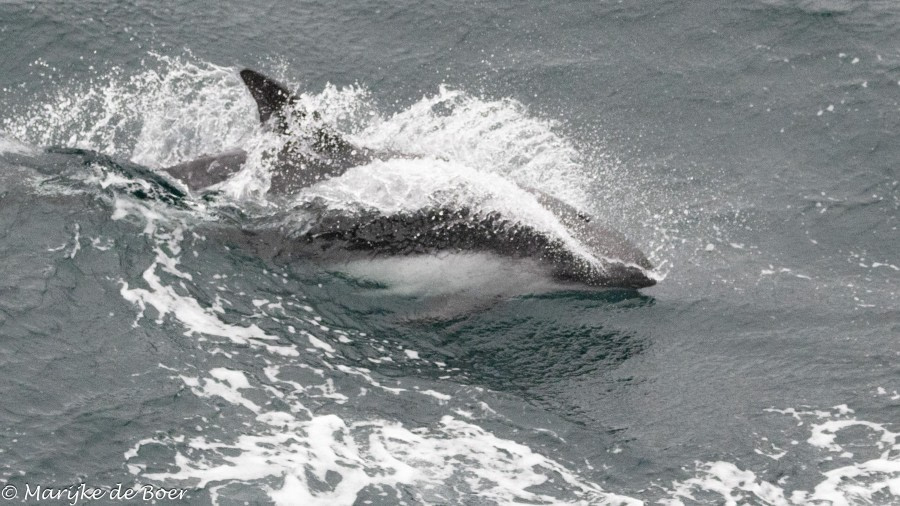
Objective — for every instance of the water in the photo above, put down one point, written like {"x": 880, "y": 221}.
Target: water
{"x": 748, "y": 148}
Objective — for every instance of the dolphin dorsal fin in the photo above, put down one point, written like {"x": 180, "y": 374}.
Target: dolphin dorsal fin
{"x": 271, "y": 97}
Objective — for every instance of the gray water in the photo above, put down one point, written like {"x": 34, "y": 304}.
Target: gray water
{"x": 749, "y": 148}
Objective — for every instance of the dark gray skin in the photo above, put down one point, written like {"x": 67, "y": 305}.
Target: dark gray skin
{"x": 335, "y": 237}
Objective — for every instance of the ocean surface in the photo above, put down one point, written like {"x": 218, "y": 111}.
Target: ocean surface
{"x": 750, "y": 148}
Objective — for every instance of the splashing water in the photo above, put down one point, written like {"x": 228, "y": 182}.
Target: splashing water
{"x": 184, "y": 109}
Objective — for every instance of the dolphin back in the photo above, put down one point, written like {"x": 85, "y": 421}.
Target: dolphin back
{"x": 338, "y": 236}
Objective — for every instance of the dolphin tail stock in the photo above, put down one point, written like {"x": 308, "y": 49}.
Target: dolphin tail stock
{"x": 208, "y": 170}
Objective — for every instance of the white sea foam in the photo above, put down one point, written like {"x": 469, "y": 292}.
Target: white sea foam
{"x": 872, "y": 481}
{"x": 450, "y": 459}
{"x": 165, "y": 298}
{"x": 197, "y": 319}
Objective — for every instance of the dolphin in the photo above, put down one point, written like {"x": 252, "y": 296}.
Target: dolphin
{"x": 328, "y": 155}
{"x": 335, "y": 237}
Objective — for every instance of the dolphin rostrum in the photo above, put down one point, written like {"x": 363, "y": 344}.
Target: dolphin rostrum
{"x": 614, "y": 262}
